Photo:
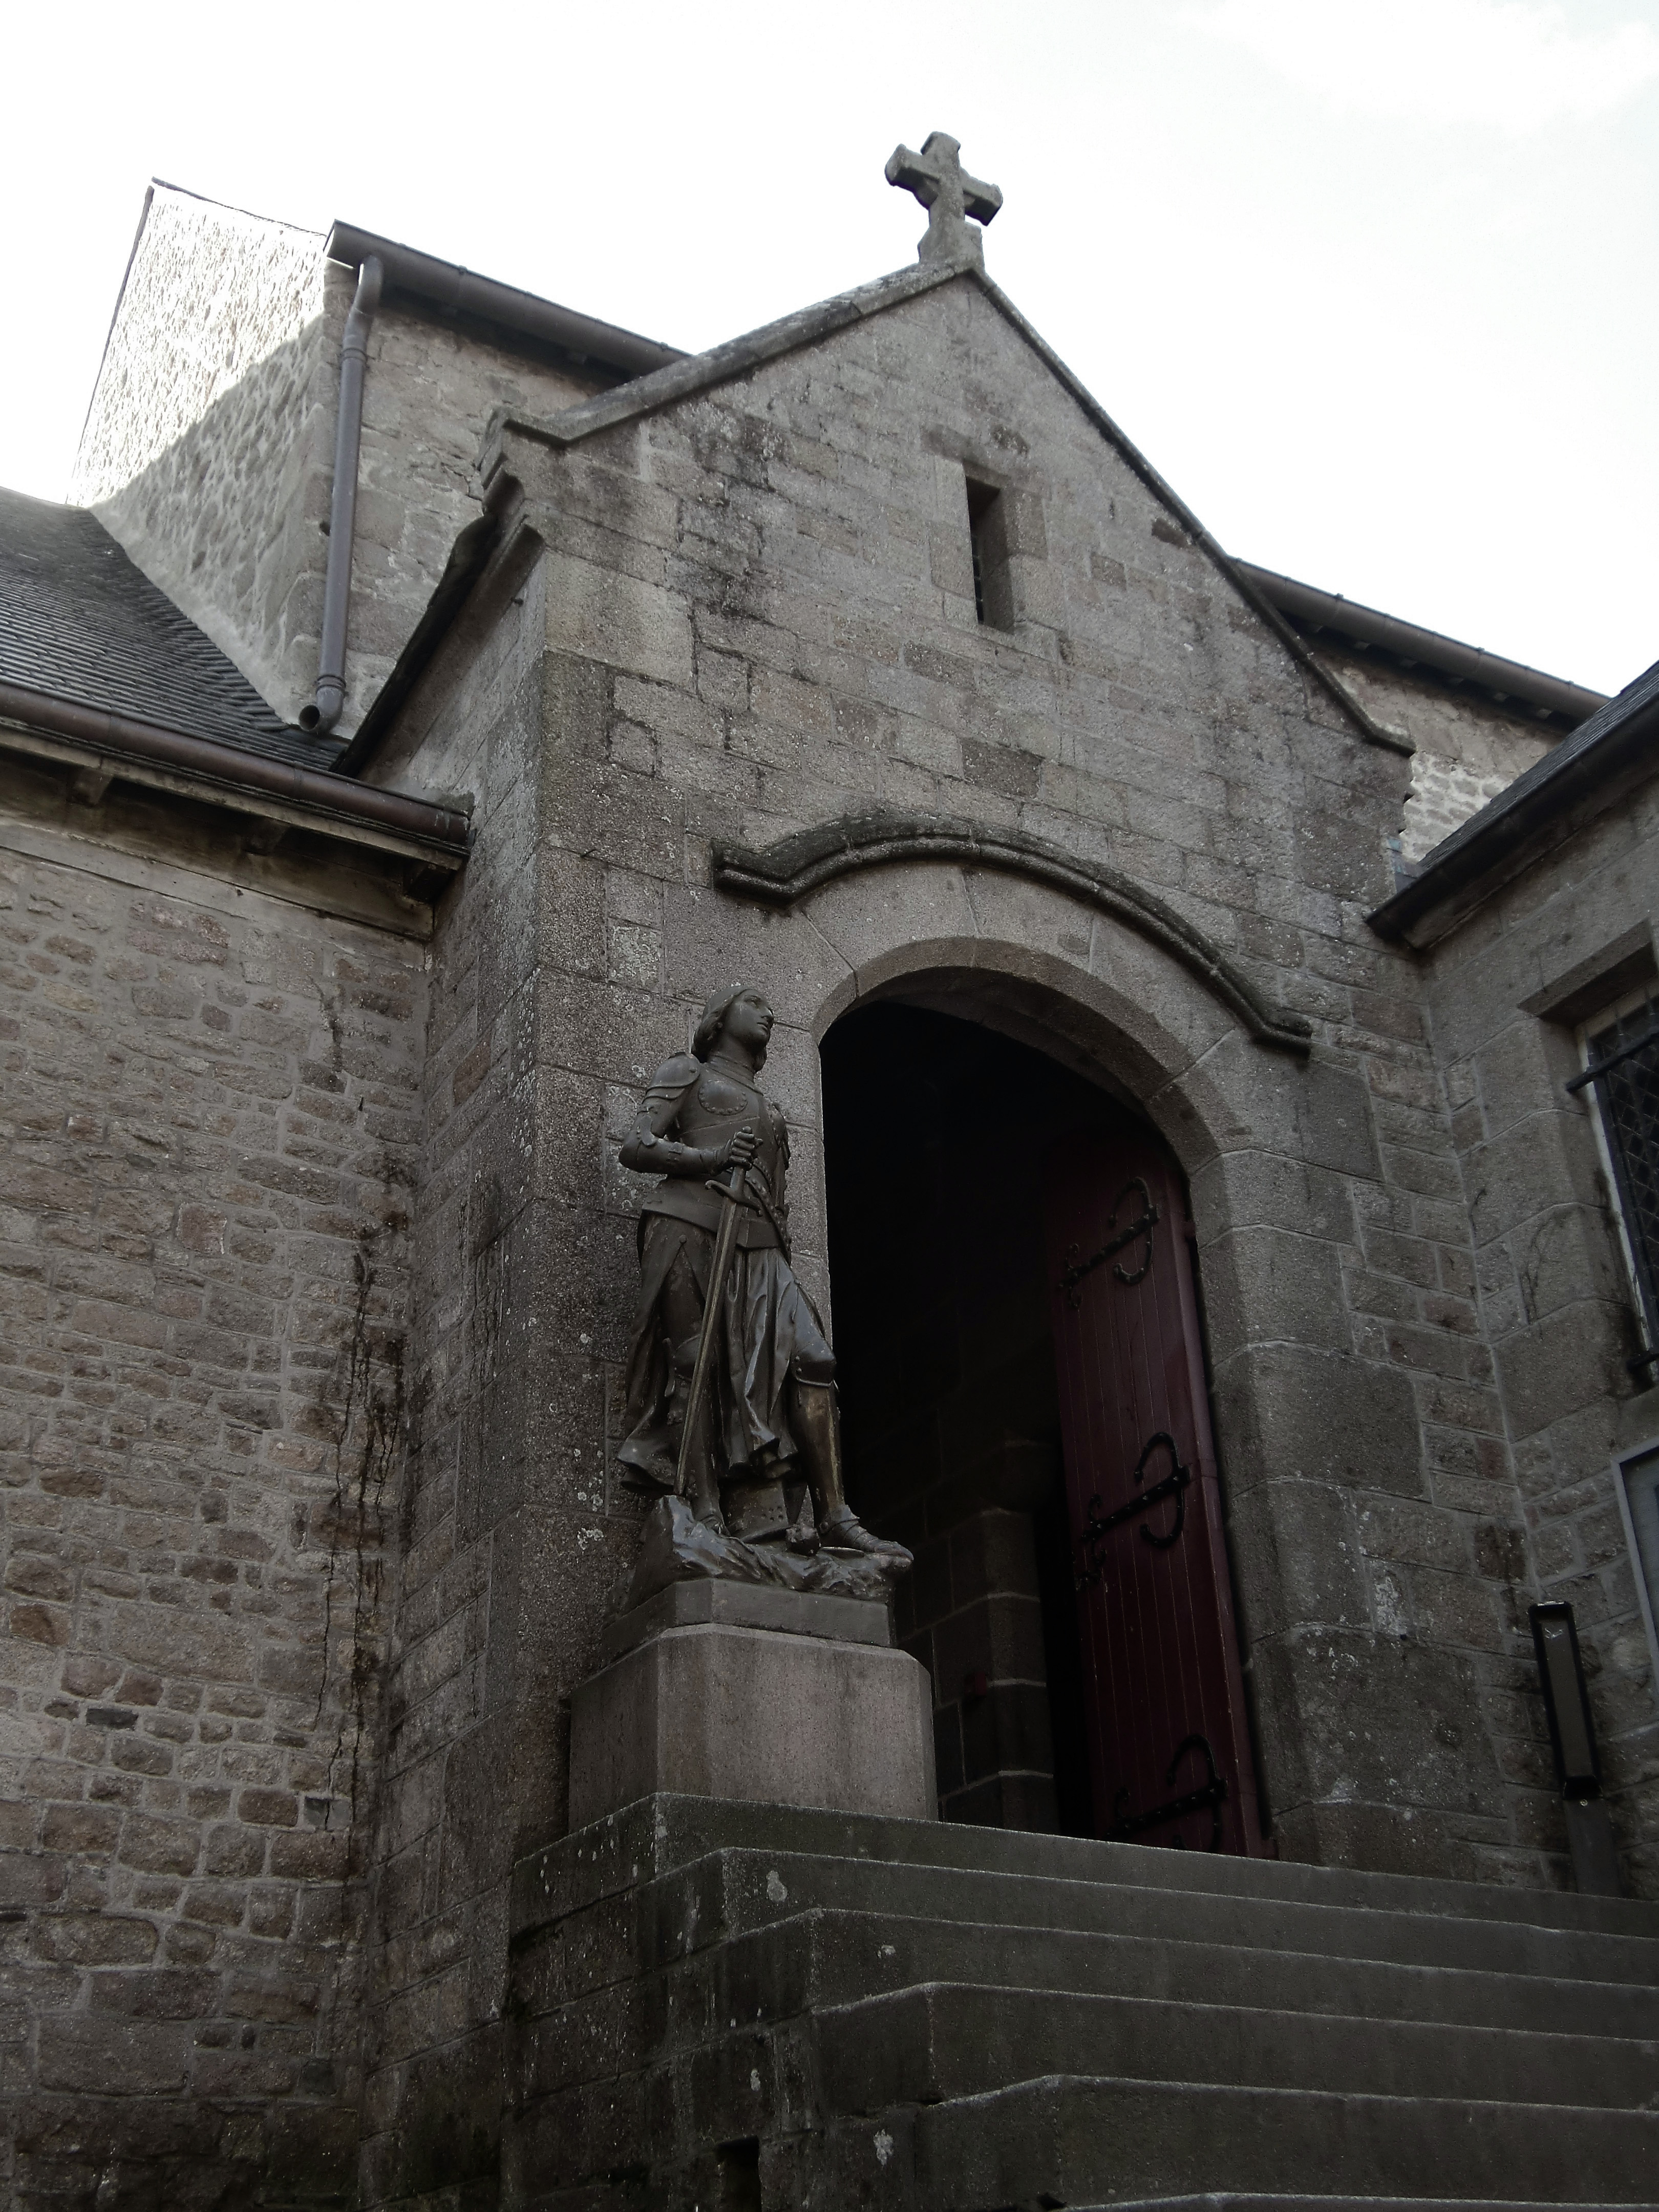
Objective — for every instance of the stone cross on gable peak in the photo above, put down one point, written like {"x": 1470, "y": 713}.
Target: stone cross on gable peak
{"x": 949, "y": 194}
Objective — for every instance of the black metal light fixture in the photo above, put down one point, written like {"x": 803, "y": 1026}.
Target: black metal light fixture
{"x": 1572, "y": 1739}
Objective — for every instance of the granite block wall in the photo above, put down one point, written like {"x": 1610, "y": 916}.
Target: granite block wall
{"x": 1508, "y": 991}
{"x": 515, "y": 1534}
{"x": 1466, "y": 749}
{"x": 208, "y": 449}
{"x": 757, "y": 616}
{"x": 208, "y": 443}
{"x": 287, "y": 1700}
{"x": 210, "y": 1117}
{"x": 974, "y": 1617}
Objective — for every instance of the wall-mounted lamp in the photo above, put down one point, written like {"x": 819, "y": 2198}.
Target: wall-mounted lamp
{"x": 1572, "y": 1739}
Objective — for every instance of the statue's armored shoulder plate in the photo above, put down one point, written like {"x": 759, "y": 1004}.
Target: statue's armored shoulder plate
{"x": 663, "y": 1105}
{"x": 677, "y": 1075}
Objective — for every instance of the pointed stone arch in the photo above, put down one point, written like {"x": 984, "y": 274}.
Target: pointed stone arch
{"x": 786, "y": 873}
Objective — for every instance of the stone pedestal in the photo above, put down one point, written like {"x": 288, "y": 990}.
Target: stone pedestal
{"x": 827, "y": 1715}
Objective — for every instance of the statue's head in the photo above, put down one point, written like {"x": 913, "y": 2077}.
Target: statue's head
{"x": 740, "y": 1012}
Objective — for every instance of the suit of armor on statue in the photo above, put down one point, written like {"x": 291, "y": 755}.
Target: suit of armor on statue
{"x": 761, "y": 1461}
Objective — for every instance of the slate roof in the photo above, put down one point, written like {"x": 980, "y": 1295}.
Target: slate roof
{"x": 80, "y": 621}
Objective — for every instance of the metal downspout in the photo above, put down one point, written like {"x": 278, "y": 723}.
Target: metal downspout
{"x": 343, "y": 500}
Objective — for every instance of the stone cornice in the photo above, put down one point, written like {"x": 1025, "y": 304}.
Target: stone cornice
{"x": 105, "y": 747}
{"x": 796, "y": 866}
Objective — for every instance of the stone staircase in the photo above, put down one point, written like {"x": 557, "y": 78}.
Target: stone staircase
{"x": 738, "y": 2006}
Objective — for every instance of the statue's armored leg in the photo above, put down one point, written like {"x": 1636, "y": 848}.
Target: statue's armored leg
{"x": 816, "y": 1425}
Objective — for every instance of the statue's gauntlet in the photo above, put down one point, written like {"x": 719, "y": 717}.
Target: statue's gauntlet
{"x": 649, "y": 1154}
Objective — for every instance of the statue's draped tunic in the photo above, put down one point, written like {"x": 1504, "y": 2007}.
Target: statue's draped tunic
{"x": 767, "y": 1325}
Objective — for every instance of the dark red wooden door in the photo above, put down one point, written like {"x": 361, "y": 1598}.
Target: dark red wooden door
{"x": 1168, "y": 1743}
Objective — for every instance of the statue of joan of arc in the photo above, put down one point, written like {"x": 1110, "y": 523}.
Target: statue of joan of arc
{"x": 761, "y": 1460}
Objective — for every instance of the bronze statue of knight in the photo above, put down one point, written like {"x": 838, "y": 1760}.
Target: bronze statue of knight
{"x": 764, "y": 1462}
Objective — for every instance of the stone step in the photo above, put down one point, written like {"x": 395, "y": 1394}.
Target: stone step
{"x": 660, "y": 1833}
{"x": 733, "y": 1891}
{"x": 1035, "y": 2020}
{"x": 945, "y": 2040}
{"x": 1223, "y": 2201}
{"x": 928, "y": 2041}
{"x": 1065, "y": 2140}
{"x": 857, "y": 1954}
{"x": 826, "y": 1957}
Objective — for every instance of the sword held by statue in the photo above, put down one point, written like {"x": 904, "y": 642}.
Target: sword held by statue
{"x": 726, "y": 1244}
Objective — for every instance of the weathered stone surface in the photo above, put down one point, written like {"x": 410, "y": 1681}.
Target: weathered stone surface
{"x": 759, "y": 1716}
{"x": 209, "y": 445}
{"x": 211, "y": 1104}
{"x": 923, "y": 2015}
{"x": 319, "y": 1263}
{"x": 749, "y": 1605}
{"x": 1551, "y": 1288}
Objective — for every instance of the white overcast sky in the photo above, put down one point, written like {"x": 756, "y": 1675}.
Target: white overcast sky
{"x": 1371, "y": 281}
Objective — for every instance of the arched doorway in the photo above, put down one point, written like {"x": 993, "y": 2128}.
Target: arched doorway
{"x": 1037, "y": 1428}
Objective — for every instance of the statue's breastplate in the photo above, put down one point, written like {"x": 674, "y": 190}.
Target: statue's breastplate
{"x": 718, "y": 1106}
{"x": 715, "y": 1108}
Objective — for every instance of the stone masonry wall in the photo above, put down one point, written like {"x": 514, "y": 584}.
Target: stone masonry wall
{"x": 748, "y": 614}
{"x": 206, "y": 447}
{"x": 1507, "y": 990}
{"x": 209, "y": 451}
{"x": 210, "y": 1119}
{"x": 509, "y": 1552}
{"x": 429, "y": 389}
{"x": 751, "y": 613}
{"x": 1466, "y": 749}
{"x": 770, "y": 585}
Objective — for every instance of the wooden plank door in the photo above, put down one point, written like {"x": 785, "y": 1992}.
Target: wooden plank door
{"x": 1168, "y": 1742}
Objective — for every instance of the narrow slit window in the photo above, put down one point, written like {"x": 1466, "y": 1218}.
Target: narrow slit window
{"x": 989, "y": 541}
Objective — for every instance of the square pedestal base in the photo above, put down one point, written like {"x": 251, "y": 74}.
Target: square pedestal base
{"x": 760, "y": 1718}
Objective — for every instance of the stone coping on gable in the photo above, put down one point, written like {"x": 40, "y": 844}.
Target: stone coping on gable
{"x": 683, "y": 380}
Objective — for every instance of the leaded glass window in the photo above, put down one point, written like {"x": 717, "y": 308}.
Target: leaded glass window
{"x": 1622, "y": 1067}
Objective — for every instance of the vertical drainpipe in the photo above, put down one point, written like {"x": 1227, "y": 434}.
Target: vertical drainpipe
{"x": 342, "y": 501}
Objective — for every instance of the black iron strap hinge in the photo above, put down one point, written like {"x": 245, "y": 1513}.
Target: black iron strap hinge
{"x": 1099, "y": 1525}
{"x": 1143, "y": 1225}
{"x": 1210, "y": 1796}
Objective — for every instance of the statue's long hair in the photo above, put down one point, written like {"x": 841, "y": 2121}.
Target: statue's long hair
{"x": 713, "y": 1021}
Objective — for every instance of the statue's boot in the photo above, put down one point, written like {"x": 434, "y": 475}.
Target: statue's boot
{"x": 803, "y": 1533}
{"x": 817, "y": 1431}
{"x": 702, "y": 1488}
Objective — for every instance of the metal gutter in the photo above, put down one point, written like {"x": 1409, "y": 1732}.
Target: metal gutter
{"x": 1508, "y": 682}
{"x": 199, "y": 767}
{"x": 460, "y": 291}
{"x": 325, "y": 711}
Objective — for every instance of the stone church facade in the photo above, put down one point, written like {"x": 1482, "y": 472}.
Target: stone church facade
{"x": 867, "y": 658}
